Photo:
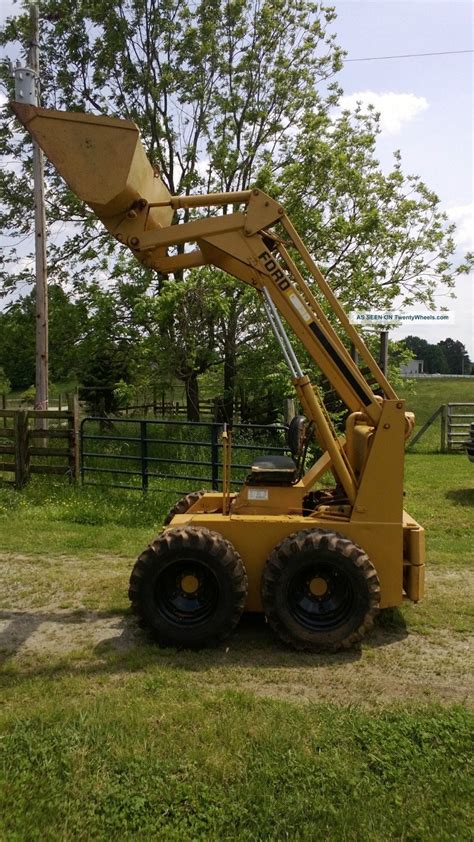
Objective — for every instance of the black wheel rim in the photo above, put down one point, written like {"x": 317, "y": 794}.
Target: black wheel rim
{"x": 321, "y": 597}
{"x": 187, "y": 593}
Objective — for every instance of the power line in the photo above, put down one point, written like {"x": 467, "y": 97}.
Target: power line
{"x": 409, "y": 55}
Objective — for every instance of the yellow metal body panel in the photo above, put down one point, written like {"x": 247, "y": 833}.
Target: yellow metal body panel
{"x": 397, "y": 550}
{"x": 254, "y": 537}
{"x": 414, "y": 558}
{"x": 414, "y": 581}
{"x": 271, "y": 500}
{"x": 380, "y": 494}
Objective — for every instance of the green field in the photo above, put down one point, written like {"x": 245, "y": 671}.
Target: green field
{"x": 106, "y": 736}
{"x": 424, "y": 396}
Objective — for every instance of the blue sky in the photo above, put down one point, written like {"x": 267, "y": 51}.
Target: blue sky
{"x": 427, "y": 111}
{"x": 426, "y": 105}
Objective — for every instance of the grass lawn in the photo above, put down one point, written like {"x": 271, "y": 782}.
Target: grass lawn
{"x": 106, "y": 736}
{"x": 424, "y": 396}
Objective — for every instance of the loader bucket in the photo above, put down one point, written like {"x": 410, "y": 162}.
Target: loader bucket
{"x": 101, "y": 159}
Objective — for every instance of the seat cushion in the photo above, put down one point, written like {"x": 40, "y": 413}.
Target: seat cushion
{"x": 272, "y": 470}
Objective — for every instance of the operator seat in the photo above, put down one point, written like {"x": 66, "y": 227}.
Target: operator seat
{"x": 272, "y": 470}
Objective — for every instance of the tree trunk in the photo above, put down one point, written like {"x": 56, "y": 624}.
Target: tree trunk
{"x": 191, "y": 386}
{"x": 230, "y": 357}
{"x": 229, "y": 383}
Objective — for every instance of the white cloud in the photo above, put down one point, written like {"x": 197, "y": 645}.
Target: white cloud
{"x": 394, "y": 109}
{"x": 463, "y": 216}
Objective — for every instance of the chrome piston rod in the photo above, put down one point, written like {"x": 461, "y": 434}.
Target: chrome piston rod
{"x": 280, "y": 335}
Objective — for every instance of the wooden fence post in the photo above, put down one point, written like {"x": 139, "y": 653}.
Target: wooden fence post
{"x": 289, "y": 411}
{"x": 73, "y": 422}
{"x": 444, "y": 426}
{"x": 354, "y": 353}
{"x": 22, "y": 463}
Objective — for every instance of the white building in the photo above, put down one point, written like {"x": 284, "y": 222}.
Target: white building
{"x": 412, "y": 367}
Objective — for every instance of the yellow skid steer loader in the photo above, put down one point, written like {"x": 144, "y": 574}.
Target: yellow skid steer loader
{"x": 318, "y": 561}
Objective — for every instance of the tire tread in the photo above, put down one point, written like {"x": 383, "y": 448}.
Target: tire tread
{"x": 335, "y": 542}
{"x": 183, "y": 505}
{"x": 202, "y": 540}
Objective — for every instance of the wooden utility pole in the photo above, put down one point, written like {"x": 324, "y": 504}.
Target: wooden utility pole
{"x": 27, "y": 90}
{"x": 40, "y": 240}
{"x": 289, "y": 410}
{"x": 384, "y": 351}
{"x": 354, "y": 353}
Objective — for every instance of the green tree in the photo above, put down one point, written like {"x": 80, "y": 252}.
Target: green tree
{"x": 226, "y": 95}
{"x": 434, "y": 360}
{"x": 180, "y": 342}
{"x": 381, "y": 239}
{"x": 456, "y": 356}
{"x": 100, "y": 376}
{"x": 449, "y": 356}
{"x": 17, "y": 343}
{"x": 212, "y": 85}
{"x": 5, "y": 384}
{"x": 67, "y": 319}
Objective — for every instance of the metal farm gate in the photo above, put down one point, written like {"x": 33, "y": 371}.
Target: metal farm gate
{"x": 458, "y": 420}
{"x": 169, "y": 456}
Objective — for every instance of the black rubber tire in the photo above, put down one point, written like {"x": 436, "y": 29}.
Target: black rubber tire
{"x": 182, "y": 506}
{"x": 175, "y": 617}
{"x": 315, "y": 623}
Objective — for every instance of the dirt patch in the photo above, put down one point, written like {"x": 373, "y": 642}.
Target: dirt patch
{"x": 395, "y": 664}
{"x": 414, "y": 668}
{"x": 59, "y": 633}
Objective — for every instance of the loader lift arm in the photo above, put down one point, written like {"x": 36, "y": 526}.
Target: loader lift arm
{"x": 247, "y": 246}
